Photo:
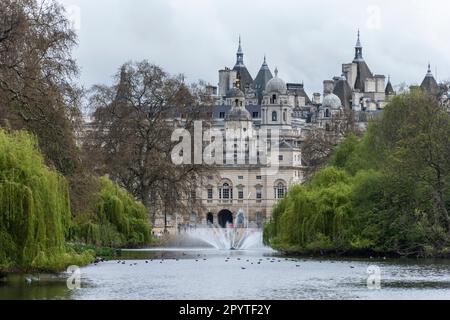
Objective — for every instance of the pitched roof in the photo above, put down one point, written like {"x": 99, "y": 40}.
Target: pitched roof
{"x": 429, "y": 84}
{"x": 344, "y": 92}
{"x": 244, "y": 76}
{"x": 363, "y": 73}
{"x": 389, "y": 89}
{"x": 264, "y": 75}
{"x": 299, "y": 90}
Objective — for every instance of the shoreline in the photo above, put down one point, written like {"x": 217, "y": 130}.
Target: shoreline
{"x": 358, "y": 254}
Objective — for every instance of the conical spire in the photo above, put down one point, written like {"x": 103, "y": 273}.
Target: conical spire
{"x": 246, "y": 79}
{"x": 262, "y": 78}
{"x": 358, "y": 42}
{"x": 358, "y": 49}
{"x": 240, "y": 54}
{"x": 389, "y": 89}
{"x": 429, "y": 73}
{"x": 264, "y": 66}
{"x": 429, "y": 83}
{"x": 240, "y": 45}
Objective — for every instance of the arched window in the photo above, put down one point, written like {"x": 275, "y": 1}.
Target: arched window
{"x": 274, "y": 116}
{"x": 280, "y": 191}
{"x": 284, "y": 116}
{"x": 327, "y": 113}
{"x": 227, "y": 191}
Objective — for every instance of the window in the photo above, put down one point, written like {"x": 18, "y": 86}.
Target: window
{"x": 258, "y": 177}
{"x": 274, "y": 116}
{"x": 255, "y": 115}
{"x": 226, "y": 192}
{"x": 258, "y": 194}
{"x": 222, "y": 115}
{"x": 210, "y": 194}
{"x": 281, "y": 158}
{"x": 281, "y": 190}
{"x": 193, "y": 194}
{"x": 241, "y": 194}
{"x": 241, "y": 177}
{"x": 274, "y": 99}
{"x": 284, "y": 116}
{"x": 327, "y": 113}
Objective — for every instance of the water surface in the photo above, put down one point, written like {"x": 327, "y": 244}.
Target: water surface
{"x": 160, "y": 274}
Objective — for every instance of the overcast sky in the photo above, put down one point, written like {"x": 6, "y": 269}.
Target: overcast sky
{"x": 307, "y": 40}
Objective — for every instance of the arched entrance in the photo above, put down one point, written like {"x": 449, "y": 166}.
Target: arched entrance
{"x": 225, "y": 217}
{"x": 210, "y": 218}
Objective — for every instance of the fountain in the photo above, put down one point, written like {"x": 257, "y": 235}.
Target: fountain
{"x": 233, "y": 237}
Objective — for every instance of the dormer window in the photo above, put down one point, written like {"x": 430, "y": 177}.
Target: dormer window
{"x": 274, "y": 99}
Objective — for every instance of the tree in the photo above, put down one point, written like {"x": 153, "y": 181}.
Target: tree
{"x": 131, "y": 135}
{"x": 319, "y": 144}
{"x": 387, "y": 192}
{"x": 37, "y": 92}
{"x": 422, "y": 139}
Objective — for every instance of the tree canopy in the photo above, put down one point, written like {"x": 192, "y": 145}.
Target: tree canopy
{"x": 386, "y": 192}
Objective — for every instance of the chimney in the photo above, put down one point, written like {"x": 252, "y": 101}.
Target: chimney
{"x": 328, "y": 87}
{"x": 316, "y": 98}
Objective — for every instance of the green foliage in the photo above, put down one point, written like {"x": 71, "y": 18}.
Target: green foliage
{"x": 116, "y": 220}
{"x": 34, "y": 209}
{"x": 387, "y": 192}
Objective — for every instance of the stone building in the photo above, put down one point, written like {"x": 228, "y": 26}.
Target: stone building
{"x": 269, "y": 103}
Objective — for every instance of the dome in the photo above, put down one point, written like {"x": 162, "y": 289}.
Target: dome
{"x": 235, "y": 93}
{"x": 332, "y": 101}
{"x": 238, "y": 114}
{"x": 276, "y": 85}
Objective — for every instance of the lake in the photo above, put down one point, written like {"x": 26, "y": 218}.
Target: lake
{"x": 203, "y": 273}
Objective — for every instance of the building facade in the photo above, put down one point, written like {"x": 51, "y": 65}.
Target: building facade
{"x": 269, "y": 103}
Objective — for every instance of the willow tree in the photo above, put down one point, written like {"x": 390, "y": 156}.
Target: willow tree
{"x": 34, "y": 207}
{"x": 117, "y": 219}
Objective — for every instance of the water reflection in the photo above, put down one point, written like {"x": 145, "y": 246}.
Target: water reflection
{"x": 48, "y": 287}
{"x": 159, "y": 274}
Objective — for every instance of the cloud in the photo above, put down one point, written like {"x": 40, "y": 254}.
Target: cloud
{"x": 307, "y": 40}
